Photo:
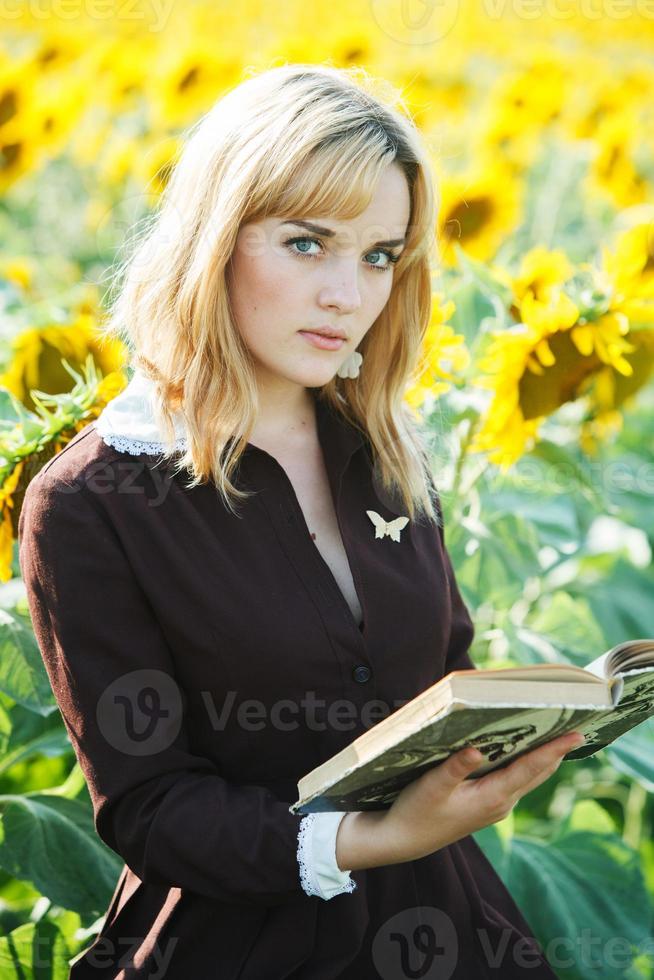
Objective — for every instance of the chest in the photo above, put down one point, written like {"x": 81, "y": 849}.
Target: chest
{"x": 310, "y": 482}
{"x": 276, "y": 673}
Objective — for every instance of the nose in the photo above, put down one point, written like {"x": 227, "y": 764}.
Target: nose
{"x": 341, "y": 292}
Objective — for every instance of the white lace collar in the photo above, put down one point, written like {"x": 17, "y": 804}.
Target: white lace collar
{"x": 128, "y": 423}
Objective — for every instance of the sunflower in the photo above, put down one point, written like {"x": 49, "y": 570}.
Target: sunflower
{"x": 552, "y": 356}
{"x": 191, "y": 75}
{"x": 23, "y": 463}
{"x": 541, "y": 274}
{"x": 6, "y": 525}
{"x": 444, "y": 356}
{"x": 18, "y": 155}
{"x": 477, "y": 211}
{"x": 613, "y": 170}
{"x": 520, "y": 105}
{"x": 38, "y": 353}
{"x": 18, "y": 142}
{"x": 18, "y": 270}
{"x": 628, "y": 271}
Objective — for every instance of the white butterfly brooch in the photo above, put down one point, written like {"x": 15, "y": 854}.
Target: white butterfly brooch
{"x": 387, "y": 528}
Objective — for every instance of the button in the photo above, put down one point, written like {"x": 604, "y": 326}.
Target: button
{"x": 361, "y": 673}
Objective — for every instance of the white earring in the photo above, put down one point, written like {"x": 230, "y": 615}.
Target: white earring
{"x": 350, "y": 367}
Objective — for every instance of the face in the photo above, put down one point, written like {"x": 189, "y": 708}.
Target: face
{"x": 286, "y": 279}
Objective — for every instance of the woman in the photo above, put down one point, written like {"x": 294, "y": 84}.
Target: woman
{"x": 207, "y": 586}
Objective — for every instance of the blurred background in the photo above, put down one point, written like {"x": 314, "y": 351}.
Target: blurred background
{"x": 535, "y": 384}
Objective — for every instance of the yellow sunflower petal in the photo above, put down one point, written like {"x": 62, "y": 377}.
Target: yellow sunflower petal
{"x": 582, "y": 338}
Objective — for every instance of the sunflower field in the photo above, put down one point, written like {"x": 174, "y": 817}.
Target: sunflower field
{"x": 536, "y": 386}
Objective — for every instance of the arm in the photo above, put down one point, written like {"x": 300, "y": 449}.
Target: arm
{"x": 164, "y": 809}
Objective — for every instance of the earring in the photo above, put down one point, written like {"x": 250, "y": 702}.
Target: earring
{"x": 350, "y": 367}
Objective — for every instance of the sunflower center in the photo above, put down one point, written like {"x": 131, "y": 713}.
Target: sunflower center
{"x": 542, "y": 394}
{"x": 469, "y": 218}
{"x": 8, "y": 106}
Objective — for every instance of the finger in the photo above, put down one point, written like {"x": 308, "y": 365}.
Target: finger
{"x": 459, "y": 765}
{"x": 535, "y": 766}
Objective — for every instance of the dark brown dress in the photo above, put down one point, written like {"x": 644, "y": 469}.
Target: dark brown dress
{"x": 157, "y": 613}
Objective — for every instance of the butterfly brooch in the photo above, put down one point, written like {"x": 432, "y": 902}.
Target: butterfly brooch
{"x": 387, "y": 528}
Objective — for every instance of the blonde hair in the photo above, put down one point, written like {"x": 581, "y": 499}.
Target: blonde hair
{"x": 294, "y": 139}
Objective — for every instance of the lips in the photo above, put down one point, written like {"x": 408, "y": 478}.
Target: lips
{"x": 336, "y": 332}
{"x": 322, "y": 341}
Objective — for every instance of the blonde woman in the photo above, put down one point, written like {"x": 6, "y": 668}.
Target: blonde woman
{"x": 214, "y": 607}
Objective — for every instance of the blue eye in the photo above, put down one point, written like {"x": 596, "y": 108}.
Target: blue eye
{"x": 290, "y": 242}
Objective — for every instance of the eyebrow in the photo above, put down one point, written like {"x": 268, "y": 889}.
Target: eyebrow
{"x": 328, "y": 233}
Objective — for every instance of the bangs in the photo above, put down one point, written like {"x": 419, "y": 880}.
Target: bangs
{"x": 337, "y": 177}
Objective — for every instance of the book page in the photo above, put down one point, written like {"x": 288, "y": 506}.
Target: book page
{"x": 630, "y": 655}
{"x": 636, "y": 704}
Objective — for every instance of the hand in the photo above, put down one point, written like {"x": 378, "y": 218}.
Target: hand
{"x": 442, "y": 806}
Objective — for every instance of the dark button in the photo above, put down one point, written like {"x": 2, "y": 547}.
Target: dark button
{"x": 361, "y": 673}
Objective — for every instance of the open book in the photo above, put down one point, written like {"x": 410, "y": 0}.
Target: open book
{"x": 503, "y": 713}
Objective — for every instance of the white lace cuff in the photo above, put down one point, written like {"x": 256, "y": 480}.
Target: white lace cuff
{"x": 319, "y": 873}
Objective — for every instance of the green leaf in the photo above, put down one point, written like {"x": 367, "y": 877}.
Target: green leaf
{"x": 33, "y": 951}
{"x": 555, "y": 518}
{"x": 579, "y": 892}
{"x": 590, "y": 815}
{"x": 492, "y": 564}
{"x": 472, "y": 306}
{"x": 568, "y": 623}
{"x": 633, "y": 754}
{"x": 22, "y": 673}
{"x": 483, "y": 277}
{"x": 12, "y": 410}
{"x": 566, "y": 466}
{"x": 621, "y": 601}
{"x": 50, "y": 841}
{"x": 51, "y": 743}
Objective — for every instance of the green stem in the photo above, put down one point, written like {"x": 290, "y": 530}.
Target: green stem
{"x": 465, "y": 443}
{"x": 633, "y": 816}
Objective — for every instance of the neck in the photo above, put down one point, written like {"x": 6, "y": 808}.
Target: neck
{"x": 286, "y": 418}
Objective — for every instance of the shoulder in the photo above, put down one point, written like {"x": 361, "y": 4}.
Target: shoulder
{"x": 88, "y": 474}
{"x": 77, "y": 461}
